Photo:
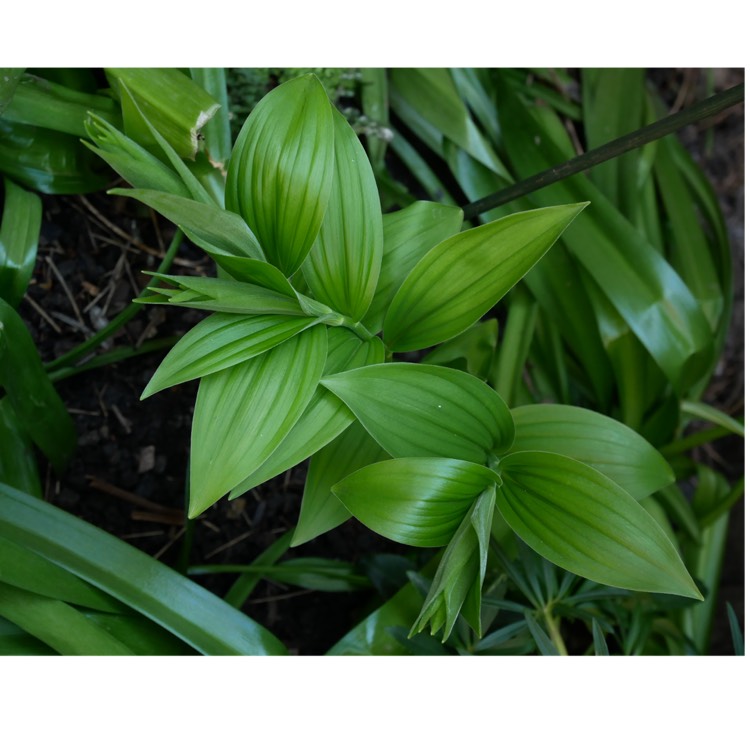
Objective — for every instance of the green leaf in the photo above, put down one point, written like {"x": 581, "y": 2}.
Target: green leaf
{"x": 280, "y": 174}
{"x": 174, "y": 104}
{"x": 594, "y": 439}
{"x": 460, "y": 279}
{"x": 256, "y": 272}
{"x": 426, "y": 410}
{"x": 321, "y": 510}
{"x": 203, "y": 223}
{"x": 220, "y": 341}
{"x": 33, "y": 397}
{"x": 713, "y": 415}
{"x": 417, "y": 501}
{"x": 189, "y": 611}
{"x": 734, "y": 625}
{"x": 343, "y": 266}
{"x": 217, "y": 131}
{"x": 221, "y": 295}
{"x": 407, "y": 235}
{"x": 542, "y": 640}
{"x": 600, "y": 642}
{"x": 9, "y": 78}
{"x": 19, "y": 236}
{"x": 471, "y": 351}
{"x": 457, "y": 585}
{"x": 582, "y": 521}
{"x": 324, "y": 417}
{"x": 17, "y": 463}
{"x": 242, "y": 414}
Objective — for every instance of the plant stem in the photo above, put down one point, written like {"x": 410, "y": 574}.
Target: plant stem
{"x": 708, "y": 107}
{"x": 554, "y": 631}
{"x": 119, "y": 320}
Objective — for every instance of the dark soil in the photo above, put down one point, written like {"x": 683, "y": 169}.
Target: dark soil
{"x": 90, "y": 259}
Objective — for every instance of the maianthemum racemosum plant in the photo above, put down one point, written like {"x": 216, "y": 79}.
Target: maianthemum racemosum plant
{"x": 317, "y": 297}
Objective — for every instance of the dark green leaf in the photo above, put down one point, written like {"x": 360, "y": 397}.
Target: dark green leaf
{"x": 471, "y": 351}
{"x": 600, "y": 642}
{"x": 542, "y": 640}
{"x": 17, "y": 463}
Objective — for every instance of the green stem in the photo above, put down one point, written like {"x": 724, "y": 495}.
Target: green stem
{"x": 708, "y": 107}
{"x": 554, "y": 631}
{"x": 119, "y": 320}
{"x": 694, "y": 440}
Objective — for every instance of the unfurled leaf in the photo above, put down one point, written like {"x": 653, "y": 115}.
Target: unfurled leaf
{"x": 19, "y": 236}
{"x": 33, "y": 397}
{"x": 253, "y": 271}
{"x": 220, "y": 341}
{"x": 457, "y": 585}
{"x": 407, "y": 235}
{"x": 281, "y": 169}
{"x": 202, "y": 222}
{"x": 325, "y": 416}
{"x": 582, "y": 521}
{"x": 321, "y": 510}
{"x": 594, "y": 439}
{"x": 426, "y": 410}
{"x": 242, "y": 414}
{"x": 343, "y": 266}
{"x": 221, "y": 295}
{"x": 460, "y": 279}
{"x": 417, "y": 501}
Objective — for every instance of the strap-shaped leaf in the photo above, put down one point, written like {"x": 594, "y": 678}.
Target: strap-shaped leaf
{"x": 279, "y": 176}
{"x": 221, "y": 295}
{"x": 325, "y": 416}
{"x": 582, "y": 521}
{"x": 407, "y": 235}
{"x": 32, "y": 395}
{"x": 426, "y": 410}
{"x": 417, "y": 501}
{"x": 19, "y": 236}
{"x": 594, "y": 439}
{"x": 321, "y": 510}
{"x": 220, "y": 341}
{"x": 243, "y": 413}
{"x": 343, "y": 266}
{"x": 207, "y": 223}
{"x": 17, "y": 463}
{"x": 189, "y": 611}
{"x": 460, "y": 279}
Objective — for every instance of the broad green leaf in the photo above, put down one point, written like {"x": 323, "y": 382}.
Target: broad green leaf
{"x": 221, "y": 295}
{"x": 217, "y": 131}
{"x": 460, "y": 279}
{"x": 594, "y": 439}
{"x": 280, "y": 173}
{"x": 141, "y": 635}
{"x": 457, "y": 585}
{"x": 50, "y": 162}
{"x": 17, "y": 463}
{"x": 254, "y": 271}
{"x": 321, "y": 510}
{"x": 57, "y": 624}
{"x": 343, "y": 266}
{"x": 202, "y": 222}
{"x": 27, "y": 570}
{"x": 426, "y": 410}
{"x": 19, "y": 236}
{"x": 220, "y": 341}
{"x": 33, "y": 397}
{"x": 242, "y": 414}
{"x": 174, "y": 104}
{"x": 471, "y": 351}
{"x": 325, "y": 416}
{"x": 407, "y": 235}
{"x": 15, "y": 641}
{"x": 582, "y": 521}
{"x": 417, "y": 501}
{"x": 182, "y": 607}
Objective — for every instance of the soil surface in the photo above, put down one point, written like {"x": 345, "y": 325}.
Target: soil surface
{"x": 128, "y": 474}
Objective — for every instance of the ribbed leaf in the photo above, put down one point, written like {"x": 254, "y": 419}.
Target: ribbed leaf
{"x": 279, "y": 176}
{"x": 426, "y": 410}
{"x": 32, "y": 395}
{"x": 417, "y": 501}
{"x": 325, "y": 416}
{"x": 460, "y": 279}
{"x": 189, "y": 611}
{"x": 19, "y": 236}
{"x": 242, "y": 414}
{"x": 407, "y": 235}
{"x": 594, "y": 439}
{"x": 220, "y": 341}
{"x": 582, "y": 521}
{"x": 321, "y": 510}
{"x": 206, "y": 223}
{"x": 343, "y": 266}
